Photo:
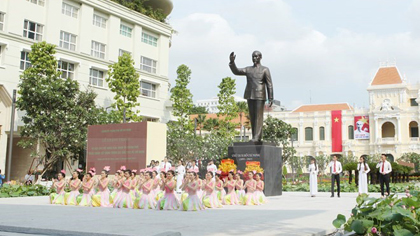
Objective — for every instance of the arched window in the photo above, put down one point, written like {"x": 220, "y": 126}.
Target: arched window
{"x": 321, "y": 133}
{"x": 414, "y": 129}
{"x": 351, "y": 132}
{"x": 309, "y": 136}
{"x": 295, "y": 134}
{"x": 388, "y": 130}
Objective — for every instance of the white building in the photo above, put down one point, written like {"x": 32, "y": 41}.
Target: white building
{"x": 391, "y": 121}
{"x": 90, "y": 35}
{"x": 212, "y": 103}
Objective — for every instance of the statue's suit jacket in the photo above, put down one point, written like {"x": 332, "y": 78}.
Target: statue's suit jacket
{"x": 258, "y": 81}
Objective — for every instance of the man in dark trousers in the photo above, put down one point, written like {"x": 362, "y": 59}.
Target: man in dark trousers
{"x": 336, "y": 169}
{"x": 258, "y": 81}
{"x": 385, "y": 169}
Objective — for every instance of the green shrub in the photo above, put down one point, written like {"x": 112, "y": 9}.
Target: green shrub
{"x": 9, "y": 190}
{"x": 388, "y": 216}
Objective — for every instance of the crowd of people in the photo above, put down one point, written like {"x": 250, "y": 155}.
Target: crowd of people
{"x": 336, "y": 169}
{"x": 163, "y": 188}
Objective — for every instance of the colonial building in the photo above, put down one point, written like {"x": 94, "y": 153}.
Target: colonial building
{"x": 90, "y": 35}
{"x": 389, "y": 125}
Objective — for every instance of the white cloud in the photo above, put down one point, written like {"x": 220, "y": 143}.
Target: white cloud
{"x": 335, "y": 68}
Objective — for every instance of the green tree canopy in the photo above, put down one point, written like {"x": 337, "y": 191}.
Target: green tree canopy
{"x": 123, "y": 80}
{"x": 57, "y": 113}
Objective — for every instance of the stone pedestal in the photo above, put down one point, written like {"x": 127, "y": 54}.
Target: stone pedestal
{"x": 270, "y": 158}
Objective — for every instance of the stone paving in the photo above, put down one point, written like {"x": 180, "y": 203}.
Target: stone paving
{"x": 293, "y": 213}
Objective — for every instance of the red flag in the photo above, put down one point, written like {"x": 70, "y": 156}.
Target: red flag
{"x": 336, "y": 137}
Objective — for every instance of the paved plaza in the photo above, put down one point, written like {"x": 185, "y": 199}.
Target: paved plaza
{"x": 293, "y": 213}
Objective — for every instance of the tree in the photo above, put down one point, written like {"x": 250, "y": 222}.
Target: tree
{"x": 412, "y": 157}
{"x": 123, "y": 80}
{"x": 211, "y": 124}
{"x": 200, "y": 121}
{"x": 57, "y": 113}
{"x": 279, "y": 132}
{"x": 139, "y": 6}
{"x": 182, "y": 142}
{"x": 198, "y": 110}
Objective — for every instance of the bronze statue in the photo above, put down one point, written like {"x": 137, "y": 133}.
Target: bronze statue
{"x": 258, "y": 81}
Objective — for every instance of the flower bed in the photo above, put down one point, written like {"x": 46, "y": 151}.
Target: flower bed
{"x": 16, "y": 190}
{"x": 388, "y": 216}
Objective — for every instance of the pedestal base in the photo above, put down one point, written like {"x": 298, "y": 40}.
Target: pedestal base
{"x": 270, "y": 158}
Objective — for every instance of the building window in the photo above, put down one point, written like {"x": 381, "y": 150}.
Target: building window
{"x": 309, "y": 136}
{"x": 69, "y": 10}
{"x": 96, "y": 78}
{"x": 25, "y": 63}
{"x": 149, "y": 39}
{"x": 149, "y": 119}
{"x": 1, "y": 21}
{"x": 148, "y": 65}
{"x": 351, "y": 132}
{"x": 98, "y": 50}
{"x": 32, "y": 30}
{"x": 67, "y": 69}
{"x": 321, "y": 133}
{"x": 99, "y": 21}
{"x": 121, "y": 52}
{"x": 38, "y": 2}
{"x": 67, "y": 41}
{"x": 1, "y": 54}
{"x": 413, "y": 102}
{"x": 125, "y": 30}
{"x": 147, "y": 89}
{"x": 414, "y": 129}
{"x": 295, "y": 134}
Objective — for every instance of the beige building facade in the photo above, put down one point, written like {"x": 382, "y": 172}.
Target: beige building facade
{"x": 393, "y": 117}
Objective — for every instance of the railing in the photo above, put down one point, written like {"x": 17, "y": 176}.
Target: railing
{"x": 414, "y": 139}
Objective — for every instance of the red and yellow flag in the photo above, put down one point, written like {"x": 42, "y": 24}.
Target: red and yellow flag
{"x": 336, "y": 135}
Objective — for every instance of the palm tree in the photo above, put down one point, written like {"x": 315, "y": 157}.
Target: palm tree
{"x": 211, "y": 124}
{"x": 200, "y": 121}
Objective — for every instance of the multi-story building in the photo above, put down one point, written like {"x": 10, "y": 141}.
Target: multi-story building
{"x": 389, "y": 125}
{"x": 212, "y": 103}
{"x": 90, "y": 35}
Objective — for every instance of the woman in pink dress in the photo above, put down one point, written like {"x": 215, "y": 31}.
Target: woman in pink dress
{"x": 116, "y": 183}
{"x": 155, "y": 189}
{"x": 200, "y": 191}
{"x": 146, "y": 200}
{"x": 134, "y": 183}
{"x": 101, "y": 198}
{"x": 231, "y": 197}
{"x": 239, "y": 186}
{"x": 75, "y": 184}
{"x": 183, "y": 187}
{"x": 259, "y": 194}
{"x": 192, "y": 202}
{"x": 250, "y": 186}
{"x": 88, "y": 191}
{"x": 125, "y": 200}
{"x": 169, "y": 201}
{"x": 160, "y": 191}
{"x": 59, "y": 185}
{"x": 210, "y": 199}
{"x": 219, "y": 186}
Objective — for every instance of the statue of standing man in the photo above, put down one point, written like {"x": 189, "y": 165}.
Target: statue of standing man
{"x": 258, "y": 81}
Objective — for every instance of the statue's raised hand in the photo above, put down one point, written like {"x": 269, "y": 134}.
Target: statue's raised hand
{"x": 232, "y": 57}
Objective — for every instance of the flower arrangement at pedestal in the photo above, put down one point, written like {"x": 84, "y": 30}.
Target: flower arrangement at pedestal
{"x": 227, "y": 165}
{"x": 253, "y": 166}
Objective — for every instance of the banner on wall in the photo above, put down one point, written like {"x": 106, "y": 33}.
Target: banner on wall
{"x": 361, "y": 127}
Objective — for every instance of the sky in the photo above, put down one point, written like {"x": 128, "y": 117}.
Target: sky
{"x": 323, "y": 51}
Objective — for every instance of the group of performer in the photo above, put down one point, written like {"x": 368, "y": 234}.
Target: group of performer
{"x": 150, "y": 190}
{"x": 336, "y": 169}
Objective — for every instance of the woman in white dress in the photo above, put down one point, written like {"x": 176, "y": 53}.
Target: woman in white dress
{"x": 313, "y": 177}
{"x": 363, "y": 169}
{"x": 180, "y": 175}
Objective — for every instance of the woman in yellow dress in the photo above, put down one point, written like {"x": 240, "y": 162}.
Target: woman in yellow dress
{"x": 58, "y": 197}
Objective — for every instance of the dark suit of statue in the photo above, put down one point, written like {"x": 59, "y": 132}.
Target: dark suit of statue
{"x": 259, "y": 85}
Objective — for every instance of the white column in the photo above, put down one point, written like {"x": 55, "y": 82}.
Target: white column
{"x": 398, "y": 129}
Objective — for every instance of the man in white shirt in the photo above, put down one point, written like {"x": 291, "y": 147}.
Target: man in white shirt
{"x": 335, "y": 169}
{"x": 165, "y": 165}
{"x": 384, "y": 169}
{"x": 211, "y": 167}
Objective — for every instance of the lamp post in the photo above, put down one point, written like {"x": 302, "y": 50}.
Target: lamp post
{"x": 12, "y": 128}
